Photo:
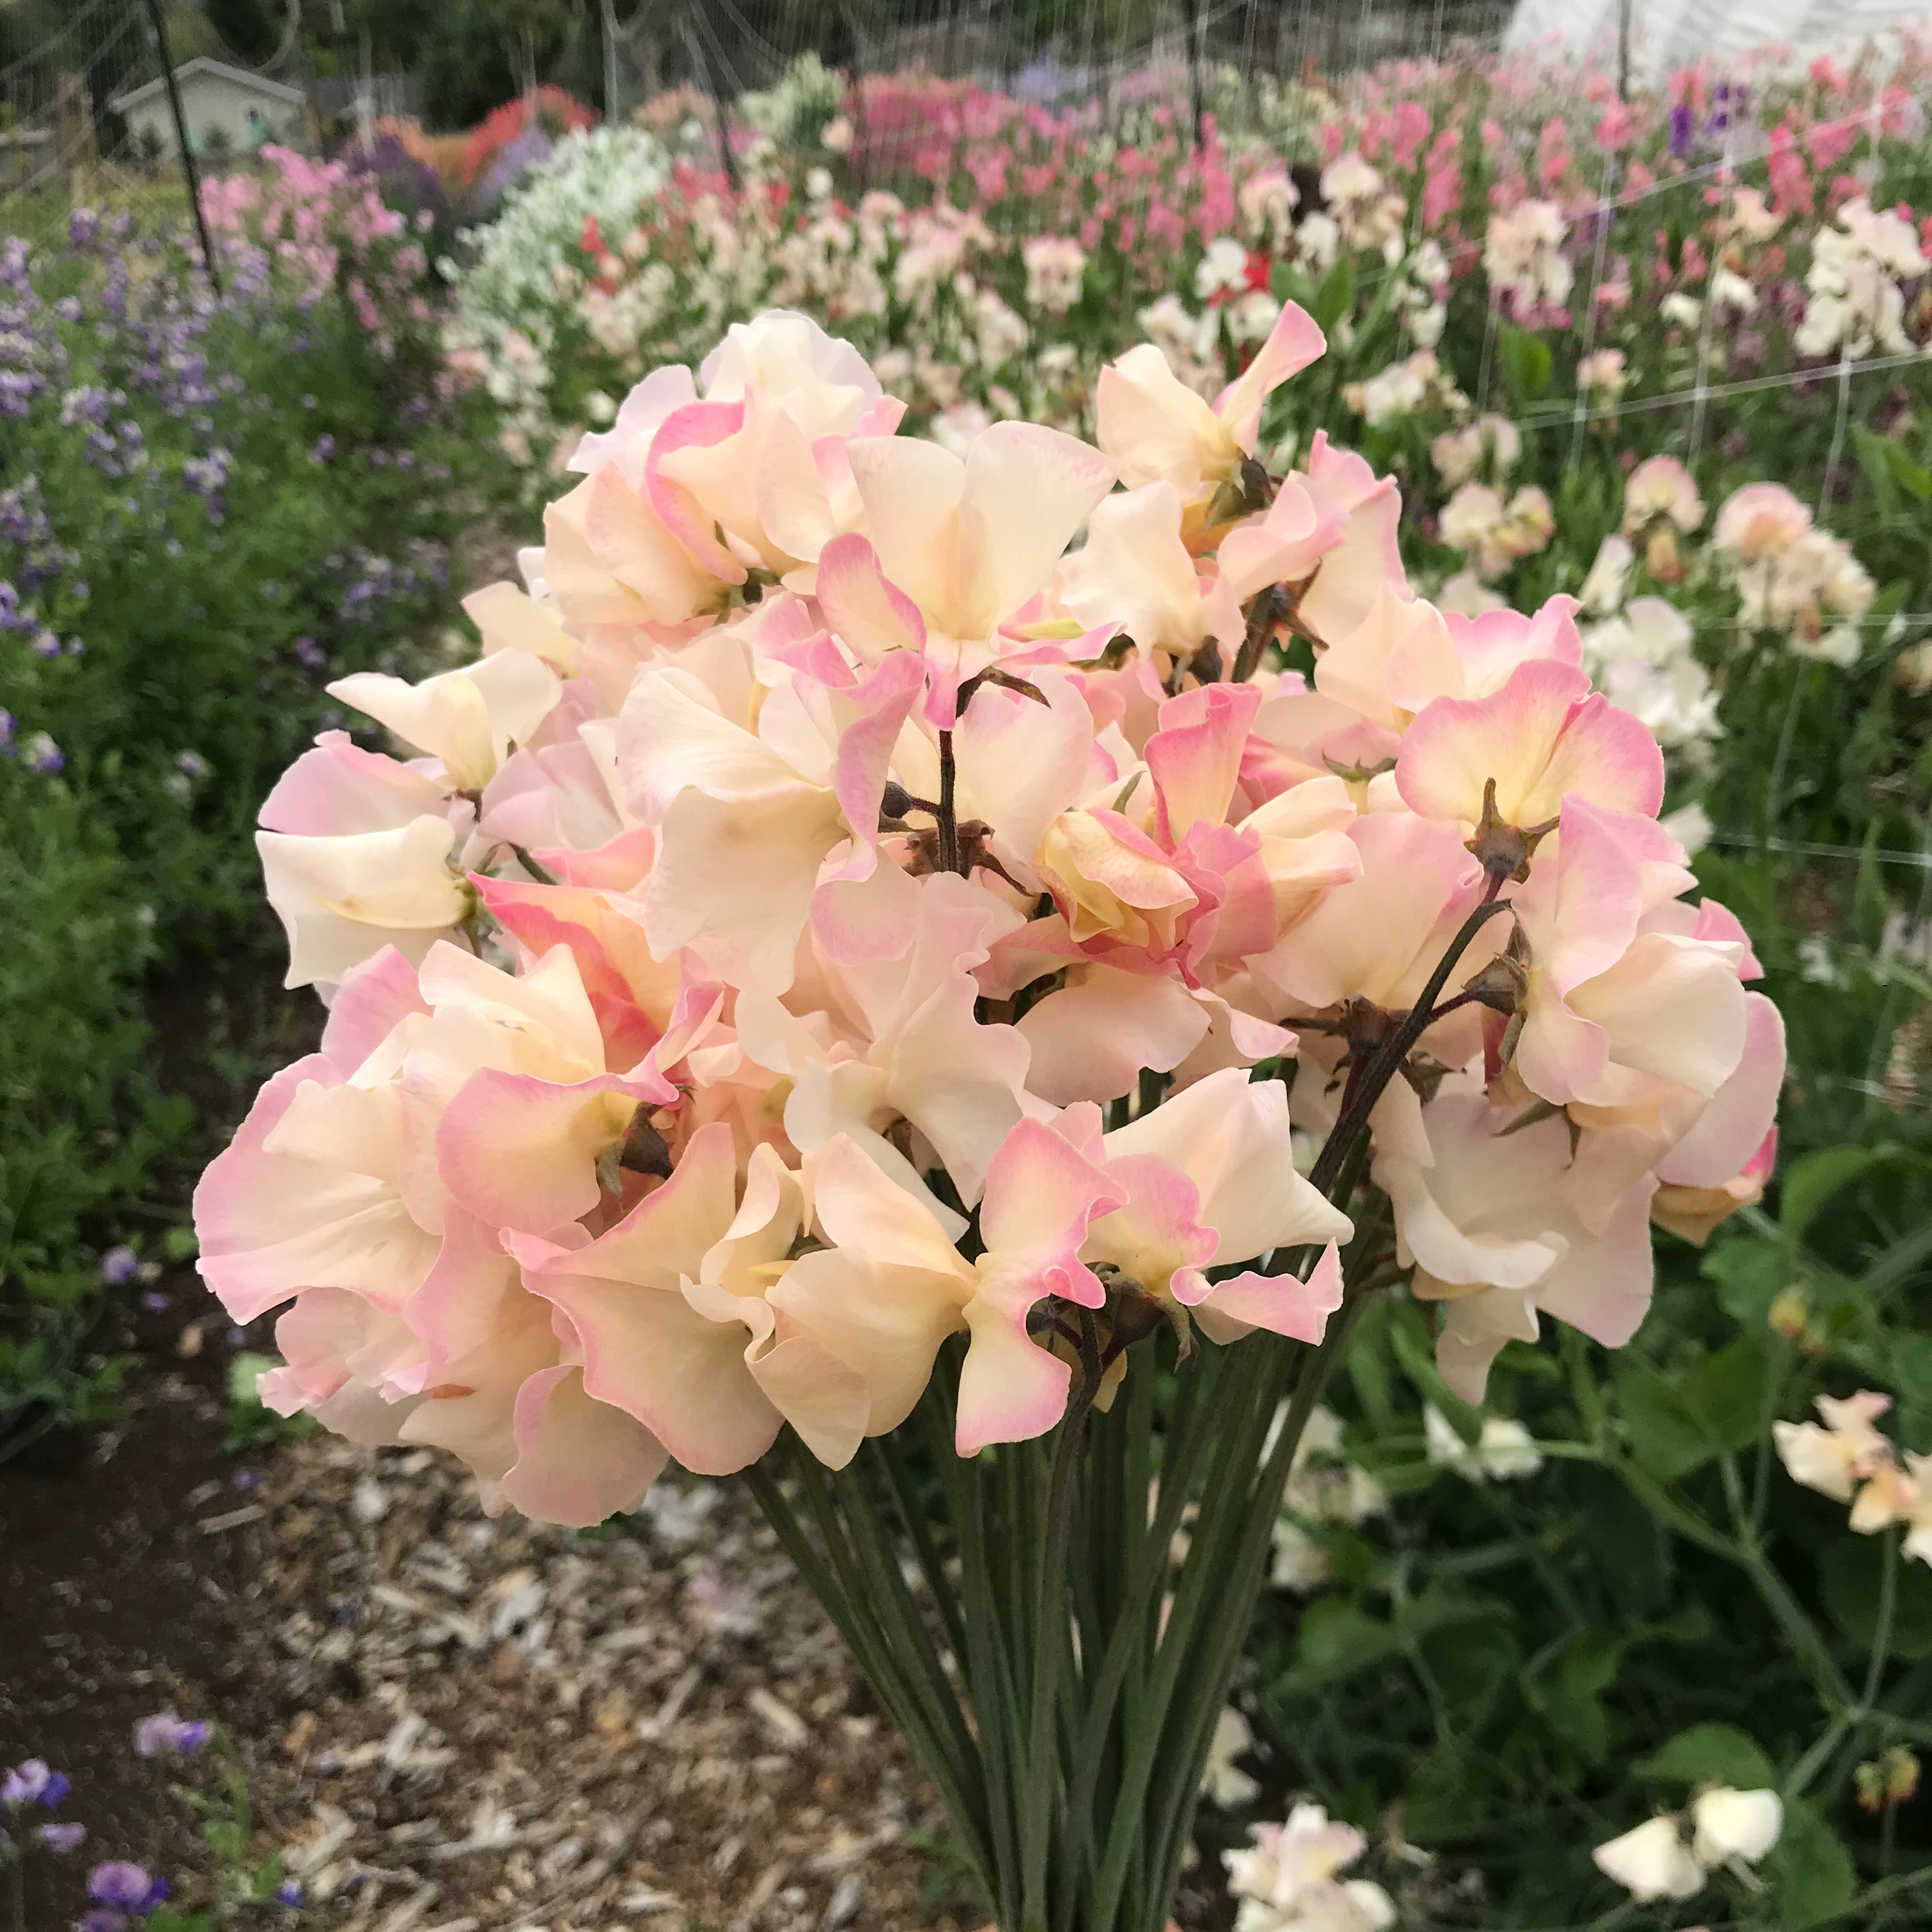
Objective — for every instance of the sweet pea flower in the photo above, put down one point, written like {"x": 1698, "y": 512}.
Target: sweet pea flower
{"x": 120, "y": 1883}
{"x": 915, "y": 1052}
{"x": 1518, "y": 755}
{"x": 1614, "y": 1015}
{"x": 1899, "y": 1495}
{"x": 1759, "y": 521}
{"x": 33, "y": 1782}
{"x": 1210, "y": 1180}
{"x": 877, "y": 1304}
{"x": 1652, "y": 1862}
{"x": 1135, "y": 570}
{"x": 756, "y": 475}
{"x": 969, "y": 541}
{"x": 1287, "y": 1878}
{"x": 1481, "y": 1210}
{"x": 358, "y": 853}
{"x": 1222, "y": 1779}
{"x": 1157, "y": 430}
{"x": 748, "y": 818}
{"x": 163, "y": 1734}
{"x": 1503, "y": 1450}
{"x": 441, "y": 1105}
{"x": 465, "y": 721}
{"x": 1728, "y": 1825}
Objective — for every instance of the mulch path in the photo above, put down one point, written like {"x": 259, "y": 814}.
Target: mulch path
{"x": 451, "y": 1723}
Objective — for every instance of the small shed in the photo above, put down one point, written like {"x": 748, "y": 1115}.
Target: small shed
{"x": 226, "y": 110}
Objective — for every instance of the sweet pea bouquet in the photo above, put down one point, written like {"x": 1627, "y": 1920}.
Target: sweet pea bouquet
{"x": 855, "y": 987}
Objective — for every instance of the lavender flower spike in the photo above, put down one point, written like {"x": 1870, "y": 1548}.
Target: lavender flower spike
{"x": 121, "y": 1882}
{"x": 32, "y": 1783}
{"x": 165, "y": 1733}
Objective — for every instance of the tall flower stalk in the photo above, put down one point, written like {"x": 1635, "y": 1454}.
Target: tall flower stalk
{"x": 1023, "y": 1615}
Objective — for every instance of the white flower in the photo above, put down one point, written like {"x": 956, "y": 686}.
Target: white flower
{"x": 1523, "y": 254}
{"x": 1287, "y": 1881}
{"x": 1652, "y": 1862}
{"x": 1318, "y": 240}
{"x": 1732, "y": 1824}
{"x": 1300, "y": 1564}
{"x": 1642, "y": 662}
{"x": 1608, "y": 582}
{"x": 1465, "y": 594}
{"x": 1503, "y": 1450}
{"x": 1691, "y": 826}
{"x": 1506, "y": 1450}
{"x": 1224, "y": 1781}
{"x": 1834, "y": 1460}
{"x": 1815, "y": 967}
{"x": 1603, "y": 373}
{"x": 1223, "y": 269}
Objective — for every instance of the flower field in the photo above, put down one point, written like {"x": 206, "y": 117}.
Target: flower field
{"x": 1187, "y": 896}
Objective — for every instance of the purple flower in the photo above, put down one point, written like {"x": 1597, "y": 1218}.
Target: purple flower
{"x": 309, "y": 654}
{"x": 119, "y": 1265}
{"x": 165, "y": 1733}
{"x": 43, "y": 755}
{"x": 155, "y": 1302}
{"x": 325, "y": 448}
{"x": 121, "y": 1882}
{"x": 62, "y": 1837}
{"x": 83, "y": 228}
{"x": 102, "y": 1918}
{"x": 6, "y": 733}
{"x": 1681, "y": 124}
{"x": 289, "y": 1893}
{"x": 32, "y": 1783}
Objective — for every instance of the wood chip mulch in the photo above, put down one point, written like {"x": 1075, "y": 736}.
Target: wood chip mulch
{"x": 499, "y": 1725}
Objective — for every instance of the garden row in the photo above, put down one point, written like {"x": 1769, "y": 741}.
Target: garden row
{"x": 210, "y": 504}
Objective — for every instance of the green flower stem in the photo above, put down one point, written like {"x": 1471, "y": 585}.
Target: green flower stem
{"x": 1888, "y": 1605}
{"x": 886, "y": 1450}
{"x": 1225, "y": 1635}
{"x": 1050, "y": 1635}
{"x": 16, "y": 1886}
{"x": 1146, "y": 1569}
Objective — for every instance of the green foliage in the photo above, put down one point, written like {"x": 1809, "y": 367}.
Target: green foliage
{"x": 138, "y": 949}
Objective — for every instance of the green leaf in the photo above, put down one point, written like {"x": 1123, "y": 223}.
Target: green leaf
{"x": 1665, "y": 1438}
{"x": 1749, "y": 1273}
{"x": 1569, "y": 1697}
{"x": 1813, "y": 1178}
{"x": 1443, "y": 1796}
{"x": 1526, "y": 363}
{"x": 1848, "y": 1579}
{"x": 1336, "y": 1639}
{"x": 1728, "y": 1395}
{"x": 1811, "y": 1873}
{"x": 1406, "y": 1331}
{"x": 1336, "y": 297}
{"x": 1876, "y": 463}
{"x": 1914, "y": 478}
{"x": 243, "y": 1371}
{"x": 1709, "y": 1754}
